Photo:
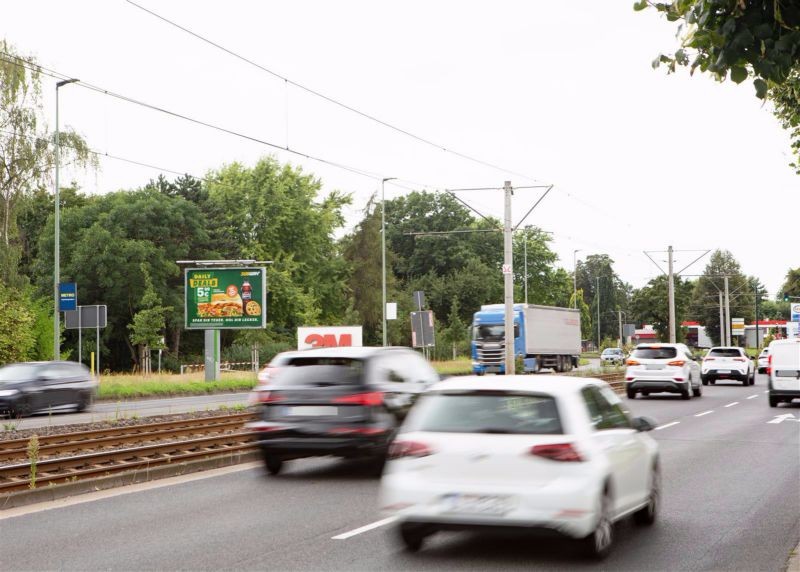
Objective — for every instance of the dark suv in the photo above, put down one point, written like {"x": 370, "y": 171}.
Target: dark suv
{"x": 346, "y": 402}
{"x": 30, "y": 387}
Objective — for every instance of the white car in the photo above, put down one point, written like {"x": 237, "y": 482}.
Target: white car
{"x": 727, "y": 363}
{"x": 557, "y": 454}
{"x": 784, "y": 371}
{"x": 763, "y": 360}
{"x": 658, "y": 368}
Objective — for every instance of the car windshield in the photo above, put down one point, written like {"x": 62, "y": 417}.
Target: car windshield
{"x": 609, "y": 352}
{"x": 725, "y": 352}
{"x": 17, "y": 372}
{"x": 320, "y": 371}
{"x": 655, "y": 353}
{"x": 492, "y": 332}
{"x": 497, "y": 412}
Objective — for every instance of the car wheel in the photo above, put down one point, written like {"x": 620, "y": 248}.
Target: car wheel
{"x": 646, "y": 515}
{"x": 773, "y": 401}
{"x": 413, "y": 536}
{"x": 686, "y": 393}
{"x": 84, "y": 403}
{"x": 752, "y": 378}
{"x": 598, "y": 544}
{"x": 697, "y": 391}
{"x": 273, "y": 464}
{"x": 712, "y": 381}
{"x": 631, "y": 393}
{"x": 704, "y": 380}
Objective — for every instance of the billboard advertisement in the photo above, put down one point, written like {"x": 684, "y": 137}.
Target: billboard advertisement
{"x": 225, "y": 298}
{"x": 794, "y": 308}
{"x": 328, "y": 337}
{"x": 737, "y": 326}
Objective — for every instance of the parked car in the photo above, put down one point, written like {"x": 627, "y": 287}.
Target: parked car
{"x": 658, "y": 368}
{"x": 31, "y": 387}
{"x": 341, "y": 401}
{"x": 542, "y": 455}
{"x": 784, "y": 371}
{"x": 727, "y": 363}
{"x": 763, "y": 360}
{"x": 612, "y": 356}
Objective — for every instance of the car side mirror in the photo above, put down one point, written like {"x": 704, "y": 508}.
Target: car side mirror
{"x": 643, "y": 424}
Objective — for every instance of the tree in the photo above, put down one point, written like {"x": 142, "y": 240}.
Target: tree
{"x": 577, "y": 301}
{"x": 650, "y": 304}
{"x": 147, "y": 328}
{"x": 596, "y": 277}
{"x": 17, "y": 337}
{"x": 547, "y": 285}
{"x": 792, "y": 285}
{"x": 456, "y": 332}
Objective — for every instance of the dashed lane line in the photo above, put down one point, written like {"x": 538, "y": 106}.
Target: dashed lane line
{"x": 366, "y": 528}
{"x": 732, "y": 404}
{"x": 660, "y": 427}
{"x": 753, "y": 396}
{"x": 704, "y": 413}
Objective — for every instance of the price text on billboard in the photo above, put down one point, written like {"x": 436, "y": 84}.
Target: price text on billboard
{"x": 222, "y": 298}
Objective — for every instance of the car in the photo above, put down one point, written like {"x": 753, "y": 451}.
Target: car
{"x": 52, "y": 386}
{"x": 556, "y": 455}
{"x": 784, "y": 371}
{"x": 727, "y": 362}
{"x": 658, "y": 368}
{"x": 612, "y": 356}
{"x": 763, "y": 360}
{"x": 267, "y": 373}
{"x": 340, "y": 401}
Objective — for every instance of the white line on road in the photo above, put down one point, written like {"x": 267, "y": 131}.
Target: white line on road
{"x": 753, "y": 396}
{"x": 367, "y": 528}
{"x": 767, "y": 391}
{"x": 660, "y": 427}
{"x": 732, "y": 404}
{"x": 704, "y": 413}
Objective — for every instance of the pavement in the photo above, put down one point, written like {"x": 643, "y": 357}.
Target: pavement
{"x": 730, "y": 466}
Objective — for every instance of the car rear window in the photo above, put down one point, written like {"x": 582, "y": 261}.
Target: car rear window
{"x": 655, "y": 353}
{"x": 485, "y": 412}
{"x": 321, "y": 371}
{"x": 725, "y": 352}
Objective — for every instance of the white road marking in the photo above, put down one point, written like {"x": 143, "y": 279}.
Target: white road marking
{"x": 704, "y": 413}
{"x": 732, "y": 404}
{"x": 660, "y": 427}
{"x": 767, "y": 391}
{"x": 781, "y": 418}
{"x": 753, "y": 396}
{"x": 367, "y": 528}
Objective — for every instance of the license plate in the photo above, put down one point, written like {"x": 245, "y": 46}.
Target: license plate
{"x": 653, "y": 366}
{"x": 311, "y": 410}
{"x": 476, "y": 504}
{"x": 723, "y": 371}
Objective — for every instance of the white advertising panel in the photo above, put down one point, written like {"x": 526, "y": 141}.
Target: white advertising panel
{"x": 328, "y": 337}
{"x": 737, "y": 326}
{"x": 795, "y": 311}
{"x": 792, "y": 330}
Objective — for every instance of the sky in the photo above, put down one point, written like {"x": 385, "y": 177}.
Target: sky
{"x": 550, "y": 92}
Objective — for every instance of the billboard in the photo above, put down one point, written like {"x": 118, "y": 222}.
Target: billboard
{"x": 225, "y": 298}
{"x": 794, "y": 309}
{"x": 328, "y": 337}
{"x": 422, "y": 329}
{"x": 737, "y": 326}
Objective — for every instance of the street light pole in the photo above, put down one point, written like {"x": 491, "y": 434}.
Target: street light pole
{"x": 57, "y": 253}
{"x": 526, "y": 264}
{"x": 383, "y": 258}
{"x": 575, "y": 278}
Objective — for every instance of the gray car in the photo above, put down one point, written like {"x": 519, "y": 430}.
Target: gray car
{"x": 32, "y": 387}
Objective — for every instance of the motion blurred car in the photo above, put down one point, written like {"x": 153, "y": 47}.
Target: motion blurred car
{"x": 763, "y": 360}
{"x": 267, "y": 373}
{"x": 542, "y": 455}
{"x": 612, "y": 356}
{"x": 659, "y": 368}
{"x": 343, "y": 401}
{"x": 727, "y": 363}
{"x": 53, "y": 386}
{"x": 784, "y": 371}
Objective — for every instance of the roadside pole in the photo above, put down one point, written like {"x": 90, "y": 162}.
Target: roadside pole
{"x": 727, "y": 313}
{"x": 671, "y": 287}
{"x": 97, "y": 310}
{"x": 80, "y": 349}
{"x": 721, "y": 320}
{"x": 508, "y": 279}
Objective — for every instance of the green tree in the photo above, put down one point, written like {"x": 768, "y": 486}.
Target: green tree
{"x": 455, "y": 335}
{"x": 587, "y": 327}
{"x": 547, "y": 285}
{"x": 792, "y": 285}
{"x": 595, "y": 275}
{"x": 17, "y": 337}
{"x": 650, "y": 304}
{"x": 147, "y": 328}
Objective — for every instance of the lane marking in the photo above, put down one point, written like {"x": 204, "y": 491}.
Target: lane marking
{"x": 732, "y": 404}
{"x": 767, "y": 391}
{"x": 660, "y": 427}
{"x": 366, "y": 528}
{"x": 704, "y": 413}
{"x": 753, "y": 396}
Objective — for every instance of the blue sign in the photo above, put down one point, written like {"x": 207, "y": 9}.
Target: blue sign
{"x": 67, "y": 296}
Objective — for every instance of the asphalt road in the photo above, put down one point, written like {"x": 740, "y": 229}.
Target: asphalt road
{"x": 731, "y": 476}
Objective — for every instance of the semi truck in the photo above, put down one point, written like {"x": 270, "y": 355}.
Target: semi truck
{"x": 544, "y": 337}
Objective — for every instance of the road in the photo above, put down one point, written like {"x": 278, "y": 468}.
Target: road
{"x": 731, "y": 468}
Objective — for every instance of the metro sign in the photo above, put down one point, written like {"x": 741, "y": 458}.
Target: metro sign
{"x": 329, "y": 337}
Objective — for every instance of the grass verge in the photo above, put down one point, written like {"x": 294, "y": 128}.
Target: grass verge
{"x": 460, "y": 366}
{"x": 114, "y": 387}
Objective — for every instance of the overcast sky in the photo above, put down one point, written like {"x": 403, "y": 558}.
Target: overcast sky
{"x": 561, "y": 92}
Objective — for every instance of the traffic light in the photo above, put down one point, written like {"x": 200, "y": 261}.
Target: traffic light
{"x": 785, "y": 297}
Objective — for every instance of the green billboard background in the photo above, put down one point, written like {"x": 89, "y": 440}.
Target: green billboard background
{"x": 217, "y": 298}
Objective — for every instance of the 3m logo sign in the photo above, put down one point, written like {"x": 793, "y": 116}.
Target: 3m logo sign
{"x": 329, "y": 340}
{"x": 328, "y": 337}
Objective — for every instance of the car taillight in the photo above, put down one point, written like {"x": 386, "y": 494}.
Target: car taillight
{"x": 557, "y": 452}
{"x": 769, "y": 365}
{"x": 678, "y": 362}
{"x": 371, "y": 399}
{"x": 400, "y": 449}
{"x": 632, "y": 362}
{"x": 269, "y": 397}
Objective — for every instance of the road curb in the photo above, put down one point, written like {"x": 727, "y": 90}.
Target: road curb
{"x": 793, "y": 564}
{"x": 46, "y": 494}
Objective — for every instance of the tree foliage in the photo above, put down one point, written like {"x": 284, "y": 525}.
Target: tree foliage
{"x": 17, "y": 335}
{"x": 650, "y": 304}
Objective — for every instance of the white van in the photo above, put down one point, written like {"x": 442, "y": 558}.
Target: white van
{"x": 784, "y": 371}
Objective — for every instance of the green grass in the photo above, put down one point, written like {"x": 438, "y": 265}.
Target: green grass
{"x": 460, "y": 366}
{"x": 117, "y": 387}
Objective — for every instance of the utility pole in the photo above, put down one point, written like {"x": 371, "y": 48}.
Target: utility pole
{"x": 508, "y": 279}
{"x": 671, "y": 293}
{"x": 597, "y": 296}
{"x": 721, "y": 320}
{"x": 758, "y": 339}
{"x": 619, "y": 314}
{"x": 575, "y": 278}
{"x": 727, "y": 313}
{"x": 525, "y": 248}
{"x": 383, "y": 258}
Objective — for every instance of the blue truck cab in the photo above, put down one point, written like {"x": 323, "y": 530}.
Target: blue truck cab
{"x": 489, "y": 342}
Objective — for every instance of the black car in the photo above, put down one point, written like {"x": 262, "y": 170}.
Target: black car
{"x": 346, "y": 402}
{"x": 32, "y": 387}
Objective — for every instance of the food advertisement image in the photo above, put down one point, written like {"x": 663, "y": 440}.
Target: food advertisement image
{"x": 225, "y": 298}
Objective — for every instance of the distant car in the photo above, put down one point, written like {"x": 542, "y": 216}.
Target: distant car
{"x": 658, "y": 368}
{"x": 763, "y": 360}
{"x": 612, "y": 356}
{"x": 555, "y": 455}
{"x": 727, "y": 363}
{"x": 784, "y": 371}
{"x": 32, "y": 387}
{"x": 341, "y": 401}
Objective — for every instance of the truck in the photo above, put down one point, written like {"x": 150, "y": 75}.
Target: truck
{"x": 544, "y": 337}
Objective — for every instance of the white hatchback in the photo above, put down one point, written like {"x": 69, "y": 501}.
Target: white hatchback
{"x": 552, "y": 455}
